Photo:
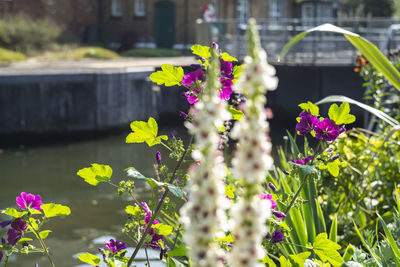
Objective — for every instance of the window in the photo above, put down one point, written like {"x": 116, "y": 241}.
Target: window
{"x": 140, "y": 8}
{"x": 275, "y": 10}
{"x": 243, "y": 11}
{"x": 116, "y": 8}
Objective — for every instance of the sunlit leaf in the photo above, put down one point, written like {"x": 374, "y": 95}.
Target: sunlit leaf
{"x": 14, "y": 213}
{"x": 162, "y": 229}
{"x": 299, "y": 259}
{"x": 43, "y": 234}
{"x": 168, "y": 75}
{"x": 341, "y": 115}
{"x": 52, "y": 210}
{"x": 133, "y": 210}
{"x": 201, "y": 51}
{"x": 313, "y": 109}
{"x": 236, "y": 114}
{"x": 145, "y": 132}
{"x": 89, "y": 258}
{"x": 226, "y": 57}
{"x": 132, "y": 172}
{"x": 96, "y": 174}
{"x": 327, "y": 249}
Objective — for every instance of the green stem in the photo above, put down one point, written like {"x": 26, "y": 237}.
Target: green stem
{"x": 295, "y": 196}
{"x": 147, "y": 257}
{"x": 159, "y": 206}
{"x": 42, "y": 244}
{"x": 167, "y": 147}
{"x": 273, "y": 256}
{"x": 6, "y": 261}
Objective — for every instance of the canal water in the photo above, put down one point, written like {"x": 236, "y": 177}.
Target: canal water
{"x": 97, "y": 212}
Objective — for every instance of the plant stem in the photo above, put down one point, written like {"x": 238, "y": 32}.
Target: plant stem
{"x": 147, "y": 257}
{"x": 6, "y": 261}
{"x": 167, "y": 147}
{"x": 42, "y": 244}
{"x": 295, "y": 196}
{"x": 159, "y": 206}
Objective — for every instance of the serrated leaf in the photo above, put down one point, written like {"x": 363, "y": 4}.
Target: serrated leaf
{"x": 299, "y": 259}
{"x": 313, "y": 109}
{"x": 283, "y": 262}
{"x": 44, "y": 234}
{"x": 53, "y": 210}
{"x": 226, "y": 57}
{"x": 327, "y": 250}
{"x": 89, "y": 258}
{"x": 305, "y": 169}
{"x": 201, "y": 51}
{"x": 168, "y": 75}
{"x": 14, "y": 213}
{"x": 95, "y": 174}
{"x": 333, "y": 167}
{"x": 132, "y": 172}
{"x": 133, "y": 210}
{"x": 341, "y": 114}
{"x": 145, "y": 132}
{"x": 236, "y": 114}
{"x": 268, "y": 262}
{"x": 177, "y": 191}
{"x": 162, "y": 229}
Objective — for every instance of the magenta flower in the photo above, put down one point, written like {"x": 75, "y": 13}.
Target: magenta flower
{"x": 13, "y": 236}
{"x": 27, "y": 201}
{"x": 269, "y": 197}
{"x": 277, "y": 236}
{"x": 226, "y": 89}
{"x": 327, "y": 130}
{"x": 303, "y": 161}
{"x": 192, "y": 77}
{"x": 307, "y": 123}
{"x": 279, "y": 214}
{"x": 19, "y": 224}
{"x": 115, "y": 245}
{"x": 154, "y": 237}
{"x": 226, "y": 69}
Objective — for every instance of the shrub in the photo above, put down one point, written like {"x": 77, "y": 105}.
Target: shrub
{"x": 10, "y": 56}
{"x": 24, "y": 34}
{"x": 83, "y": 52}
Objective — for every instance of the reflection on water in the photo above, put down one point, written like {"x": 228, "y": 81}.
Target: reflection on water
{"x": 51, "y": 172}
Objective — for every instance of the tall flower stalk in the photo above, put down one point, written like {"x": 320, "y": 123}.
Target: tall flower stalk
{"x": 204, "y": 213}
{"x": 252, "y": 159}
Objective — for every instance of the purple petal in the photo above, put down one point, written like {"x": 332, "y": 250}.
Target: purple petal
{"x": 277, "y": 236}
{"x": 279, "y": 214}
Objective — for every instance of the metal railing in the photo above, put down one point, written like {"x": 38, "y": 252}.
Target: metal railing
{"x": 316, "y": 48}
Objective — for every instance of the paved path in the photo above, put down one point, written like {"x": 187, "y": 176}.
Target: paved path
{"x": 35, "y": 67}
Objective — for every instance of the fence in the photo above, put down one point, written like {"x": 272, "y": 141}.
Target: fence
{"x": 318, "y": 48}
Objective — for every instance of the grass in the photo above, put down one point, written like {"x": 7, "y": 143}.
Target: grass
{"x": 7, "y": 56}
{"x": 79, "y": 53}
{"x": 154, "y": 52}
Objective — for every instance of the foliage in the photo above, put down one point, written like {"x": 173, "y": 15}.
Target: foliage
{"x": 8, "y": 56}
{"x": 24, "y": 34}
{"x": 93, "y": 52}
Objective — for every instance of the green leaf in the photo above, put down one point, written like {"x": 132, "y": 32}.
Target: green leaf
{"x": 44, "y": 234}
{"x": 227, "y": 238}
{"x": 313, "y": 109}
{"x": 226, "y": 57}
{"x": 339, "y": 98}
{"x": 283, "y": 262}
{"x": 178, "y": 252}
{"x": 177, "y": 191}
{"x": 96, "y": 174}
{"x": 333, "y": 231}
{"x": 162, "y": 229}
{"x": 333, "y": 167}
{"x": 168, "y": 75}
{"x": 390, "y": 238}
{"x": 89, "y": 258}
{"x": 341, "y": 114}
{"x": 236, "y": 114}
{"x": 230, "y": 191}
{"x": 299, "y": 259}
{"x": 132, "y": 172}
{"x": 268, "y": 262}
{"x": 202, "y": 51}
{"x": 145, "y": 132}
{"x": 174, "y": 263}
{"x": 133, "y": 210}
{"x": 369, "y": 50}
{"x": 52, "y": 210}
{"x": 14, "y": 213}
{"x": 327, "y": 250}
{"x": 237, "y": 71}
{"x": 305, "y": 170}
{"x": 24, "y": 240}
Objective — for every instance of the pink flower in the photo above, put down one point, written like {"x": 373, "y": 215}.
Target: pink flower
{"x": 27, "y": 201}
{"x": 269, "y": 197}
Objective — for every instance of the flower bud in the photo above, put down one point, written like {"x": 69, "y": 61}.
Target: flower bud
{"x": 158, "y": 157}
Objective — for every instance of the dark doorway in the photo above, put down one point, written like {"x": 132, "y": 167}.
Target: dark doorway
{"x": 164, "y": 23}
